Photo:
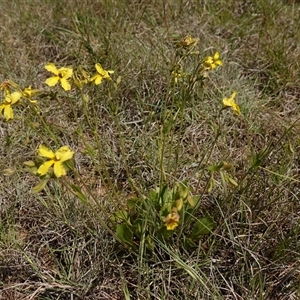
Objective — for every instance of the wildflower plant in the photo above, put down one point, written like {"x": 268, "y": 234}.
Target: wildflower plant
{"x": 161, "y": 165}
{"x": 166, "y": 214}
{"x": 171, "y": 214}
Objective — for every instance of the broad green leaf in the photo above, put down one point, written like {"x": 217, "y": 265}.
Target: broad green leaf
{"x": 138, "y": 227}
{"x": 153, "y": 195}
{"x": 30, "y": 166}
{"x": 124, "y": 234}
{"x": 150, "y": 243}
{"x": 215, "y": 168}
{"x": 179, "y": 204}
{"x": 191, "y": 200}
{"x": 203, "y": 226}
{"x": 39, "y": 187}
{"x": 121, "y": 215}
{"x": 182, "y": 190}
{"x": 132, "y": 202}
{"x": 196, "y": 199}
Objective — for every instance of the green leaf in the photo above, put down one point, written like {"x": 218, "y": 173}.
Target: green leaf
{"x": 203, "y": 226}
{"x": 215, "y": 168}
{"x": 150, "y": 243}
{"x": 231, "y": 180}
{"x": 191, "y": 200}
{"x": 8, "y": 172}
{"x": 124, "y": 234}
{"x": 132, "y": 203}
{"x": 257, "y": 159}
{"x": 29, "y": 163}
{"x": 211, "y": 184}
{"x": 188, "y": 243}
{"x": 30, "y": 166}
{"x": 79, "y": 193}
{"x": 223, "y": 179}
{"x": 121, "y": 215}
{"x": 138, "y": 227}
{"x": 182, "y": 190}
{"x": 39, "y": 187}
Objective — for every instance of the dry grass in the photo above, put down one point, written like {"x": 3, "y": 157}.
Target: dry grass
{"x": 53, "y": 247}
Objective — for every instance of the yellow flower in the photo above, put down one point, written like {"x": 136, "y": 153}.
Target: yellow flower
{"x": 211, "y": 63}
{"x": 81, "y": 77}
{"x": 62, "y": 75}
{"x": 102, "y": 74}
{"x": 6, "y": 86}
{"x": 28, "y": 93}
{"x": 6, "y": 105}
{"x": 187, "y": 41}
{"x": 177, "y": 74}
{"x": 56, "y": 159}
{"x": 172, "y": 219}
{"x": 230, "y": 102}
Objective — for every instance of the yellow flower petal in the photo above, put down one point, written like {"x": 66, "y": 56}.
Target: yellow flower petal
{"x": 44, "y": 168}
{"x": 216, "y": 56}
{"x": 97, "y": 78}
{"x": 64, "y": 153}
{"x": 233, "y": 95}
{"x": 65, "y": 84}
{"x": 68, "y": 73}
{"x": 99, "y": 68}
{"x": 103, "y": 73}
{"x": 29, "y": 92}
{"x": 59, "y": 169}
{"x": 172, "y": 220}
{"x": 171, "y": 226}
{"x": 32, "y": 101}
{"x": 51, "y": 68}
{"x": 52, "y": 81}
{"x": 219, "y": 63}
{"x": 43, "y": 151}
{"x": 2, "y": 106}
{"x": 230, "y": 102}
{"x": 8, "y": 112}
{"x": 15, "y": 97}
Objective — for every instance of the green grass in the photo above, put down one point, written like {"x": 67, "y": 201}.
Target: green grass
{"x": 57, "y": 245}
